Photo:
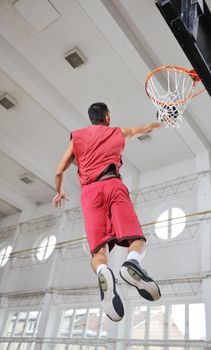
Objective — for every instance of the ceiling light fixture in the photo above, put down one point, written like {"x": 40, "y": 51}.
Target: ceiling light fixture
{"x": 144, "y": 137}
{"x": 75, "y": 57}
{"x": 27, "y": 178}
{"x": 7, "y": 101}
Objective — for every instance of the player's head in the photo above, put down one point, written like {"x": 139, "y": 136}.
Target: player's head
{"x": 99, "y": 114}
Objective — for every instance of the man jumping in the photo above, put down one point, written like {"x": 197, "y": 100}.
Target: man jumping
{"x": 108, "y": 212}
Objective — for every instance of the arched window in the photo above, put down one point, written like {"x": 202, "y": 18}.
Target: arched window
{"x": 170, "y": 223}
{"x": 46, "y": 248}
{"x": 5, "y": 254}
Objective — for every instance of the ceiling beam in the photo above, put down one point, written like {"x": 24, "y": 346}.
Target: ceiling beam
{"x": 137, "y": 56}
{"x": 196, "y": 141}
{"x": 17, "y": 199}
{"x": 18, "y": 69}
{"x": 29, "y": 160}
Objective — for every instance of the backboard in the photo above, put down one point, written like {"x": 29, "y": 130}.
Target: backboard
{"x": 190, "y": 22}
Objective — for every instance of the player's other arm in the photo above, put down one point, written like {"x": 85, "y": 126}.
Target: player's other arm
{"x": 144, "y": 129}
{"x": 64, "y": 164}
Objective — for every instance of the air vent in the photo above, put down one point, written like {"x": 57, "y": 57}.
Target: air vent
{"x": 75, "y": 58}
{"x": 27, "y": 178}
{"x": 7, "y": 101}
{"x": 144, "y": 137}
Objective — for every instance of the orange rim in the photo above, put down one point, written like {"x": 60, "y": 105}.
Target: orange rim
{"x": 191, "y": 73}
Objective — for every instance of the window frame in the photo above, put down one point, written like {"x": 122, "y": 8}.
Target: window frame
{"x": 16, "y": 320}
{"x": 5, "y": 246}
{"x": 37, "y": 247}
{"x": 169, "y": 207}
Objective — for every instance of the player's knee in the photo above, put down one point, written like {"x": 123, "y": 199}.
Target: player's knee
{"x": 102, "y": 251}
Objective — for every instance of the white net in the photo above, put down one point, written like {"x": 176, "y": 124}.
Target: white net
{"x": 172, "y": 97}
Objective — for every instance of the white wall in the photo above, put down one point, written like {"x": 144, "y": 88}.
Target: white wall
{"x": 178, "y": 264}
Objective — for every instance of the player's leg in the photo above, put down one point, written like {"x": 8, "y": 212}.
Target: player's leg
{"x": 100, "y": 259}
{"x": 98, "y": 234}
{"x": 129, "y": 233}
{"x": 132, "y": 272}
{"x": 110, "y": 299}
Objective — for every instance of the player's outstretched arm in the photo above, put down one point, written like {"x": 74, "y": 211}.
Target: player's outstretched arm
{"x": 64, "y": 164}
{"x": 144, "y": 129}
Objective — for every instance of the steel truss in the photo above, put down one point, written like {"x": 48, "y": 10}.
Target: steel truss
{"x": 178, "y": 287}
{"x": 75, "y": 250}
{"x": 7, "y": 233}
{"x": 191, "y": 232}
{"x": 17, "y": 299}
{"x": 78, "y": 249}
{"x": 42, "y": 224}
{"x": 50, "y": 343}
{"x": 74, "y": 214}
{"x": 165, "y": 189}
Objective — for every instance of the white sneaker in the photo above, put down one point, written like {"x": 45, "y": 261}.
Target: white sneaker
{"x": 133, "y": 274}
{"x": 111, "y": 301}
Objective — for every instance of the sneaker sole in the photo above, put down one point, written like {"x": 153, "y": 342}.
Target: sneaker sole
{"x": 147, "y": 289}
{"x": 111, "y": 302}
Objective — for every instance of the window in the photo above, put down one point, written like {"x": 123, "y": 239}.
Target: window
{"x": 5, "y": 254}
{"x": 172, "y": 223}
{"x": 16, "y": 346}
{"x": 66, "y": 324}
{"x": 75, "y": 347}
{"x": 197, "y": 328}
{"x": 11, "y": 325}
{"x": 156, "y": 326}
{"x": 61, "y": 347}
{"x": 104, "y": 326}
{"x": 22, "y": 324}
{"x": 46, "y": 248}
{"x": 79, "y": 323}
{"x": 139, "y": 322}
{"x": 177, "y": 322}
{"x": 93, "y": 321}
{"x": 31, "y": 325}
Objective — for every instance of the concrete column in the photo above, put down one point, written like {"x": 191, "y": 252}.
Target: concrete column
{"x": 44, "y": 325}
{"x": 205, "y": 242}
{"x": 4, "y": 316}
{"x": 44, "y": 319}
{"x": 204, "y": 191}
{"x": 7, "y": 267}
{"x": 206, "y": 288}
{"x": 121, "y": 332}
{"x": 204, "y": 204}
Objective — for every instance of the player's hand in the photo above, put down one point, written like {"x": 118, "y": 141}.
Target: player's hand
{"x": 151, "y": 127}
{"x": 58, "y": 199}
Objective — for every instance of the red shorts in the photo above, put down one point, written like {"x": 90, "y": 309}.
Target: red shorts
{"x": 109, "y": 214}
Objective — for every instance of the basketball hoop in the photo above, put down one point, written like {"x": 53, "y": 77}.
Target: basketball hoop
{"x": 173, "y": 95}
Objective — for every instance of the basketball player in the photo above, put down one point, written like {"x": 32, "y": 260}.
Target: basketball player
{"x": 107, "y": 209}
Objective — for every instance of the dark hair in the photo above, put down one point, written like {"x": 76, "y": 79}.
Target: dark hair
{"x": 97, "y": 113}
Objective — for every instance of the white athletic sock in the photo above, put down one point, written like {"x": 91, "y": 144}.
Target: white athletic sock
{"x": 135, "y": 255}
{"x": 100, "y": 267}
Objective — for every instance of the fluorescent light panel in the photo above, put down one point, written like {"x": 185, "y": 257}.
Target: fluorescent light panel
{"x": 38, "y": 13}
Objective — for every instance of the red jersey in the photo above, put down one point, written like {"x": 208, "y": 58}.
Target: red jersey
{"x": 95, "y": 148}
